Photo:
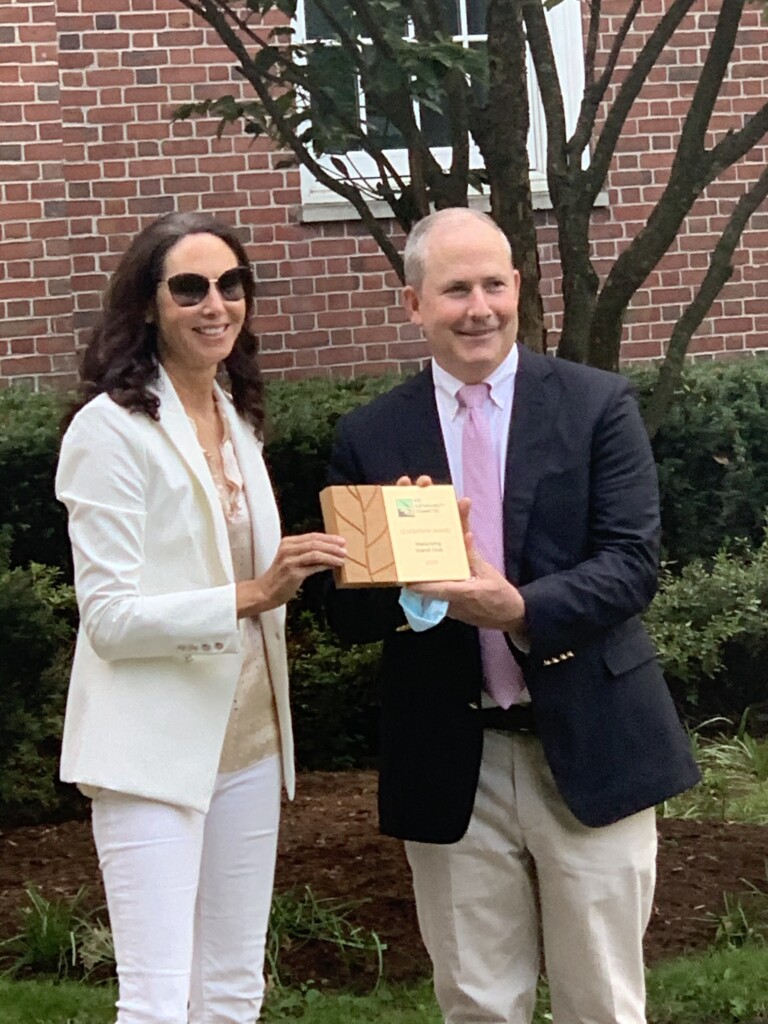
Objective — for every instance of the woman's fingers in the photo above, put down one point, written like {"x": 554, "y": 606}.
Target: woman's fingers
{"x": 318, "y": 549}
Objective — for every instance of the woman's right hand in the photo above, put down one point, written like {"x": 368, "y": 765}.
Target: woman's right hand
{"x": 296, "y": 558}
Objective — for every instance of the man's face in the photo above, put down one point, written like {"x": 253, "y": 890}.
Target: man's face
{"x": 466, "y": 304}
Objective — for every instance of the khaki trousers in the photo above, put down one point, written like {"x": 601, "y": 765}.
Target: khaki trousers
{"x": 527, "y": 874}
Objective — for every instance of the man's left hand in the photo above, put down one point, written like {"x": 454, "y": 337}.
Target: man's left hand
{"x": 487, "y": 599}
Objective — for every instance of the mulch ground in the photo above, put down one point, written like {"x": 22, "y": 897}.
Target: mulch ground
{"x": 329, "y": 841}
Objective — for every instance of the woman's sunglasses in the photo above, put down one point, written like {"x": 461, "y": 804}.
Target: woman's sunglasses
{"x": 192, "y": 289}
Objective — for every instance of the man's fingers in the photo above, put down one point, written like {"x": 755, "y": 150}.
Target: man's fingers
{"x": 420, "y": 481}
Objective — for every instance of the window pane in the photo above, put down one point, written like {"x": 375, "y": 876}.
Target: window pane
{"x": 451, "y": 19}
{"x": 381, "y": 130}
{"x": 479, "y": 84}
{"x": 434, "y": 127}
{"x": 384, "y": 85}
{"x": 318, "y": 26}
{"x": 334, "y": 112}
{"x": 477, "y": 13}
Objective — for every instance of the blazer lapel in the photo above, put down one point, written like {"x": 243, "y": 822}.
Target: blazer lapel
{"x": 420, "y": 439}
{"x": 175, "y": 424}
{"x": 265, "y": 521}
{"x": 533, "y": 414}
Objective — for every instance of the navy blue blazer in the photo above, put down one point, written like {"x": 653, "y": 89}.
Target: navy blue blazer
{"x": 581, "y": 523}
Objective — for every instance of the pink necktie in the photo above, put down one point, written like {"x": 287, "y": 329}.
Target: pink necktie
{"x": 503, "y": 676}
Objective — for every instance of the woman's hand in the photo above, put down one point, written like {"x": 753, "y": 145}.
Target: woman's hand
{"x": 296, "y": 558}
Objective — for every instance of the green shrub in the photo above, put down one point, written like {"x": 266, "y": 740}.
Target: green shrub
{"x": 707, "y": 618}
{"x": 300, "y": 919}
{"x": 59, "y": 938}
{"x": 29, "y": 432}
{"x": 710, "y": 627}
{"x": 333, "y": 697}
{"x": 302, "y": 418}
{"x": 711, "y": 455}
{"x": 37, "y": 615}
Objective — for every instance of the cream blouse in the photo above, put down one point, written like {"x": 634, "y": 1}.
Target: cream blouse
{"x": 252, "y": 731}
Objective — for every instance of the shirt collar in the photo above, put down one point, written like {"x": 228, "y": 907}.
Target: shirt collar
{"x": 501, "y": 381}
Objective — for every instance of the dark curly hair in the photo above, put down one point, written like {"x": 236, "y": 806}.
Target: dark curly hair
{"x": 121, "y": 356}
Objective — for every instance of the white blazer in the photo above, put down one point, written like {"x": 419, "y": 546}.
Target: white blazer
{"x": 158, "y": 649}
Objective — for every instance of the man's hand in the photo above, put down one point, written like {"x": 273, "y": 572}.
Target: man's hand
{"x": 420, "y": 481}
{"x": 487, "y": 599}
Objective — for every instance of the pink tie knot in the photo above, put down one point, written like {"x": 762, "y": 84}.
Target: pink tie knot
{"x": 473, "y": 396}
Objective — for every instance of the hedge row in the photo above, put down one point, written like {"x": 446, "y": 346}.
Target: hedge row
{"x": 709, "y": 624}
{"x": 711, "y": 455}
{"x": 708, "y": 620}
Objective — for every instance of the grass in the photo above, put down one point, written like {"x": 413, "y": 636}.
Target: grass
{"x": 720, "y": 987}
{"x": 58, "y": 938}
{"x": 733, "y": 787}
{"x": 744, "y": 918}
{"x": 297, "y": 918}
{"x": 47, "y": 1002}
{"x": 726, "y": 985}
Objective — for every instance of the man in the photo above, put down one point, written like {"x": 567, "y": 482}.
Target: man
{"x": 524, "y": 787}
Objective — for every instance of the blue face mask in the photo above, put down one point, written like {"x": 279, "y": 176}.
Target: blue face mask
{"x": 422, "y": 612}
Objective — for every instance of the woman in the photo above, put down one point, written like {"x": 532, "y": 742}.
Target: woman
{"x": 178, "y": 723}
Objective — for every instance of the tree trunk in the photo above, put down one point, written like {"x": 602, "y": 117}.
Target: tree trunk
{"x": 579, "y": 284}
{"x": 501, "y": 132}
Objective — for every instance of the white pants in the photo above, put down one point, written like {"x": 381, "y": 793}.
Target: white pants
{"x": 189, "y": 897}
{"x": 528, "y": 872}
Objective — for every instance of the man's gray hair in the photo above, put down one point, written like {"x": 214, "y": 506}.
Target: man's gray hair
{"x": 414, "y": 256}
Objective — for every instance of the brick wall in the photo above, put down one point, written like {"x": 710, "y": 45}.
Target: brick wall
{"x": 35, "y": 257}
{"x": 88, "y": 154}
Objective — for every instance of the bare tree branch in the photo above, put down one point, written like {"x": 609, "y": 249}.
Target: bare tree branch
{"x": 630, "y": 88}
{"x": 691, "y": 144}
{"x": 543, "y": 55}
{"x": 500, "y": 127}
{"x": 719, "y": 271}
{"x": 290, "y": 138}
{"x": 735, "y": 145}
{"x": 692, "y": 169}
{"x": 396, "y": 76}
{"x": 595, "y": 90}
{"x": 593, "y": 36}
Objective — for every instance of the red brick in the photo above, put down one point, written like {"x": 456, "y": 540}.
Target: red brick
{"x": 16, "y": 366}
{"x": 115, "y": 177}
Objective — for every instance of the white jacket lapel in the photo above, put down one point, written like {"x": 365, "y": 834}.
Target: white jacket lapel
{"x": 265, "y": 521}
{"x": 175, "y": 423}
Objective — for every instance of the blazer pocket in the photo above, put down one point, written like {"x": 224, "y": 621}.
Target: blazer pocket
{"x": 629, "y": 652}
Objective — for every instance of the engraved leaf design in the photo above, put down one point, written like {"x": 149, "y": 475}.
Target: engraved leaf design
{"x": 362, "y": 519}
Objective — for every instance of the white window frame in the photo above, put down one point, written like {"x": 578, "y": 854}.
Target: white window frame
{"x": 320, "y": 203}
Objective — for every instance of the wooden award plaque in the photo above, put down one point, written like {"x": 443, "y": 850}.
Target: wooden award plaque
{"x": 396, "y": 535}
